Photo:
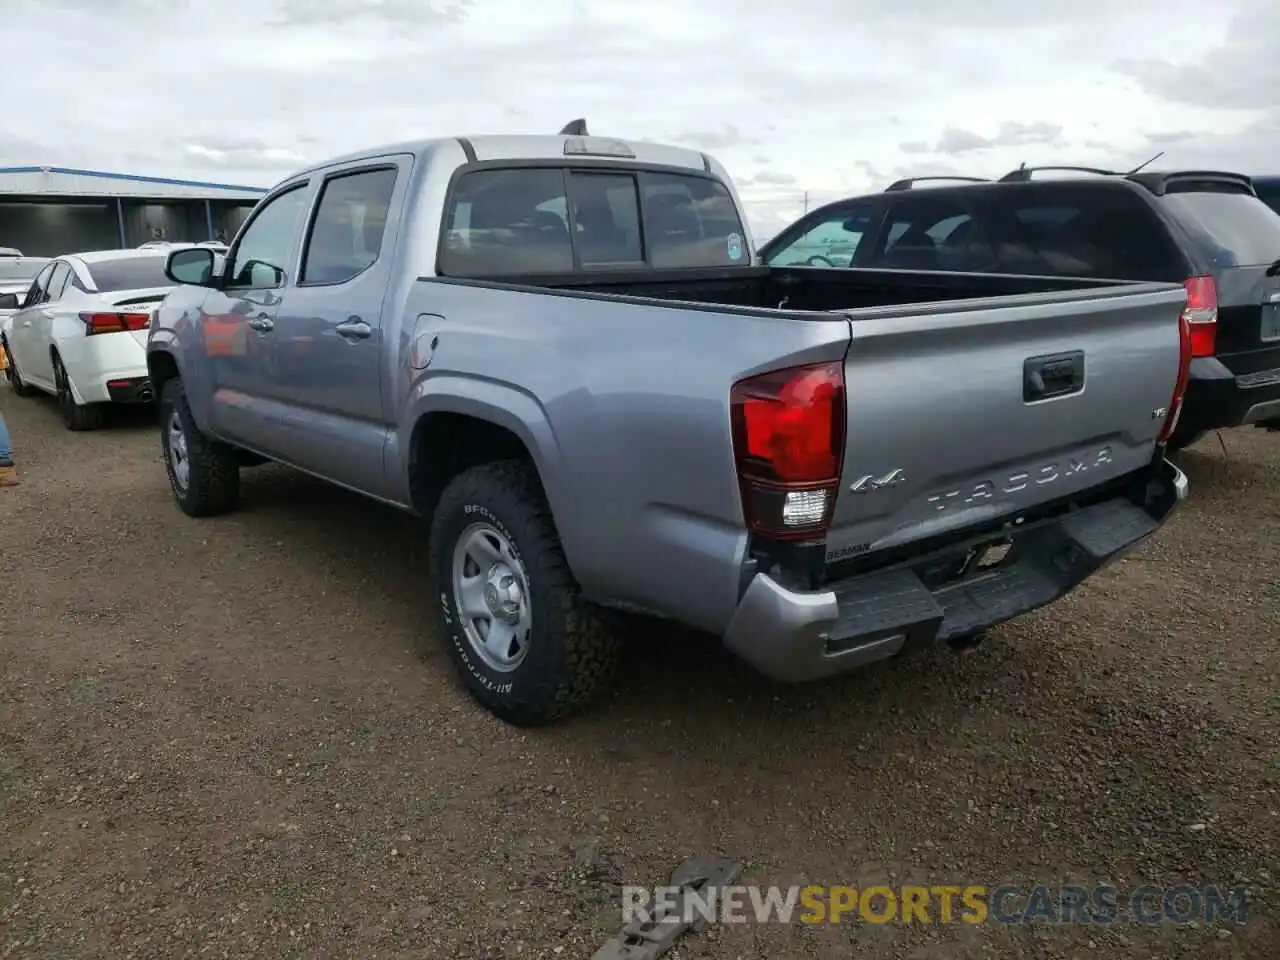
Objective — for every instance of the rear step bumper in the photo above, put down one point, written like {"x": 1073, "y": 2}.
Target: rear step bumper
{"x": 794, "y": 636}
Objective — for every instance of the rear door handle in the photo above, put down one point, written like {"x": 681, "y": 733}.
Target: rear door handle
{"x": 262, "y": 323}
{"x": 354, "y": 329}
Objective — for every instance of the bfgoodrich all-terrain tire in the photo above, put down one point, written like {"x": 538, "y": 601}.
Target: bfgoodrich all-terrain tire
{"x": 525, "y": 643}
{"x": 203, "y": 473}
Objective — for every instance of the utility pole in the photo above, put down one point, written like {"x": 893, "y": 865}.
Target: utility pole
{"x": 806, "y": 201}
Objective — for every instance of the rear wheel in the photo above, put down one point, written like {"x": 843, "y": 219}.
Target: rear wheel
{"x": 525, "y": 643}
{"x": 75, "y": 415}
{"x": 12, "y": 375}
{"x": 204, "y": 474}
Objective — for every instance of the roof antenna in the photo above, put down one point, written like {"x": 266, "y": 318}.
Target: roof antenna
{"x": 1147, "y": 164}
{"x": 575, "y": 128}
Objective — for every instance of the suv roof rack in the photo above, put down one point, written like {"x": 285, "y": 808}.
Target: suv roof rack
{"x": 907, "y": 183}
{"x": 575, "y": 128}
{"x": 1023, "y": 174}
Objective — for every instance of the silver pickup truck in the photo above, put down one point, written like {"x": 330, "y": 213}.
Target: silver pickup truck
{"x": 561, "y": 352}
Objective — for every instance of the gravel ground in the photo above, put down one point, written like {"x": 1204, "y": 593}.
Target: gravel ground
{"x": 241, "y": 738}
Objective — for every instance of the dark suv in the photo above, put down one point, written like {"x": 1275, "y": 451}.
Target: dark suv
{"x": 1268, "y": 191}
{"x": 1207, "y": 230}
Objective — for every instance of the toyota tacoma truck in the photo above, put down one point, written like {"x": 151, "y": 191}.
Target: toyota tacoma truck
{"x": 563, "y": 353}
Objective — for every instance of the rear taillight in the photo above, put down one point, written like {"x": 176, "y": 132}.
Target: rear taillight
{"x": 788, "y": 444}
{"x": 114, "y": 322}
{"x": 1201, "y": 312}
{"x": 1186, "y": 344}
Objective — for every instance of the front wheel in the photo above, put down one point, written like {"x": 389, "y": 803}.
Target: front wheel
{"x": 204, "y": 474}
{"x": 11, "y": 373}
{"x": 525, "y": 643}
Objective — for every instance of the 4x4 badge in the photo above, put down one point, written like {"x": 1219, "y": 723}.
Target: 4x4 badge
{"x": 871, "y": 482}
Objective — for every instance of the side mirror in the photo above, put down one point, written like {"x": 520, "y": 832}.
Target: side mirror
{"x": 193, "y": 265}
{"x": 8, "y": 301}
{"x": 260, "y": 274}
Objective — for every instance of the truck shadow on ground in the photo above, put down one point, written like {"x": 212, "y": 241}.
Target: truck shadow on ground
{"x": 667, "y": 670}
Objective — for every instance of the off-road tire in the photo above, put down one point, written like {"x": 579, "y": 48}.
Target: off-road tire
{"x": 20, "y": 387}
{"x": 213, "y": 486}
{"x": 573, "y": 648}
{"x": 78, "y": 417}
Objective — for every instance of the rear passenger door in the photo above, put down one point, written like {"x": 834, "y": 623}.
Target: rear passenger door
{"x": 934, "y": 231}
{"x": 329, "y": 348}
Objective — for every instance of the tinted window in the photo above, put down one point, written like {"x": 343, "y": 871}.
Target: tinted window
{"x": 691, "y": 222}
{"x": 606, "y": 219}
{"x": 1268, "y": 192}
{"x": 931, "y": 232}
{"x": 129, "y": 273}
{"x": 19, "y": 268}
{"x": 346, "y": 235}
{"x": 58, "y": 281}
{"x": 833, "y": 241}
{"x": 36, "y": 292}
{"x": 506, "y": 222}
{"x": 1230, "y": 228}
{"x": 1081, "y": 231}
{"x": 265, "y": 248}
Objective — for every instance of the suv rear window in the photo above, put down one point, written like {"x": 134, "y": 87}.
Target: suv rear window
{"x": 129, "y": 273}
{"x": 1230, "y": 227}
{"x": 1269, "y": 193}
{"x": 507, "y": 222}
{"x": 1082, "y": 230}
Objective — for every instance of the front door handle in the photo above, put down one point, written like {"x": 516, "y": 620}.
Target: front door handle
{"x": 262, "y": 323}
{"x": 354, "y": 328}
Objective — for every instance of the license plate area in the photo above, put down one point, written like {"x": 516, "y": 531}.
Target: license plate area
{"x": 1270, "y": 322}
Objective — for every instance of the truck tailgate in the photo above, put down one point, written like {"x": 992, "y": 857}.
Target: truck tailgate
{"x": 960, "y": 413}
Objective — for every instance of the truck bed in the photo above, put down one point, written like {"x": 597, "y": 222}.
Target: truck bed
{"x": 807, "y": 288}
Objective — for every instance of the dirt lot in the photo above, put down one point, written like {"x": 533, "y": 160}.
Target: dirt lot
{"x": 240, "y": 738}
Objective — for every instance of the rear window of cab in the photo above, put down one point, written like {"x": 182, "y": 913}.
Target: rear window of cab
{"x": 531, "y": 220}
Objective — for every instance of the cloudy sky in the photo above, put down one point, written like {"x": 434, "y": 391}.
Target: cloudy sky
{"x": 832, "y": 97}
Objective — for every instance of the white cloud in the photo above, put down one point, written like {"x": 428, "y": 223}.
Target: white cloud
{"x": 803, "y": 103}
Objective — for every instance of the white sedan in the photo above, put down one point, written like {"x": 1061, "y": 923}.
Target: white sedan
{"x": 80, "y": 332}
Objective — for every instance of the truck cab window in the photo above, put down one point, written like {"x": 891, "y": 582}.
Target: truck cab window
{"x": 691, "y": 221}
{"x": 831, "y": 242}
{"x": 346, "y": 234}
{"x": 503, "y": 222}
{"x": 606, "y": 219}
{"x": 263, "y": 252}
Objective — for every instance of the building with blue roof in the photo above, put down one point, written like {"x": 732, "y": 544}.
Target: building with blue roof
{"x": 47, "y": 211}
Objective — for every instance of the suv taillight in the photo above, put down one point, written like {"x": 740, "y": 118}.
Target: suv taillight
{"x": 1201, "y": 312}
{"x": 788, "y": 445}
{"x": 95, "y": 323}
{"x": 1186, "y": 345}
